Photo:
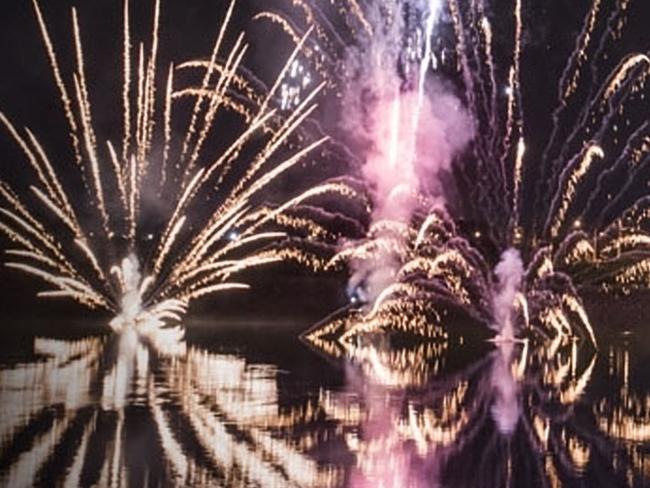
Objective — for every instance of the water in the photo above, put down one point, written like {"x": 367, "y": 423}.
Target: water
{"x": 249, "y": 404}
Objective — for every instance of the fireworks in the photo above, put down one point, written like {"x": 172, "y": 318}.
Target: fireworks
{"x": 575, "y": 213}
{"x": 565, "y": 202}
{"x": 440, "y": 278}
{"x": 161, "y": 219}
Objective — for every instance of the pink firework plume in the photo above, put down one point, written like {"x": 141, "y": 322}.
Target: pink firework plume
{"x": 509, "y": 272}
{"x": 412, "y": 142}
{"x": 408, "y": 129}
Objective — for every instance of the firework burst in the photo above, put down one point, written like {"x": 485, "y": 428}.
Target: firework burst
{"x": 505, "y": 233}
{"x": 582, "y": 201}
{"x": 440, "y": 278}
{"x": 162, "y": 218}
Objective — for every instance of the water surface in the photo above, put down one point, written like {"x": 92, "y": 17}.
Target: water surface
{"x": 249, "y": 404}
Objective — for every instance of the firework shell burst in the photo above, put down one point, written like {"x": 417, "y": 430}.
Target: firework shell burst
{"x": 440, "y": 278}
{"x": 575, "y": 213}
{"x": 582, "y": 201}
{"x": 98, "y": 247}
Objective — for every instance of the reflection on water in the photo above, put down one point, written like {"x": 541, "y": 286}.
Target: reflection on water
{"x": 146, "y": 409}
{"x": 149, "y": 409}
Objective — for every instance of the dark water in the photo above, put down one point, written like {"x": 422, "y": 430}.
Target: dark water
{"x": 249, "y": 404}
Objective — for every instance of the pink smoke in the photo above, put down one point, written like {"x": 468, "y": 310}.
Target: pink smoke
{"x": 509, "y": 272}
{"x": 410, "y": 140}
{"x": 409, "y": 125}
{"x": 413, "y": 140}
{"x": 505, "y": 409}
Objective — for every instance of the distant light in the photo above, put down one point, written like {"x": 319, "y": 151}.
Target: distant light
{"x": 508, "y": 91}
{"x": 577, "y": 224}
{"x": 233, "y": 235}
{"x": 357, "y": 295}
{"x": 149, "y": 237}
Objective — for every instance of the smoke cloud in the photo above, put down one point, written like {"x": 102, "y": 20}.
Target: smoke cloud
{"x": 509, "y": 272}
{"x": 410, "y": 127}
{"x": 131, "y": 300}
{"x": 505, "y": 410}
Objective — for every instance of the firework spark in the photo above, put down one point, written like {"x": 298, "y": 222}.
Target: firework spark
{"x": 214, "y": 221}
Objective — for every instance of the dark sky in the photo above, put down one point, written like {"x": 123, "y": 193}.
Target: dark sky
{"x": 27, "y": 92}
{"x": 29, "y": 97}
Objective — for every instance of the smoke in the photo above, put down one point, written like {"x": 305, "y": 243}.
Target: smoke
{"x": 505, "y": 409}
{"x": 509, "y": 272}
{"x": 408, "y": 155}
{"x": 410, "y": 126}
{"x": 131, "y": 301}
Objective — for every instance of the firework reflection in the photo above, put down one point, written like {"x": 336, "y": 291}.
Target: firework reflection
{"x": 406, "y": 415}
{"x": 205, "y": 419}
{"x": 519, "y": 415}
